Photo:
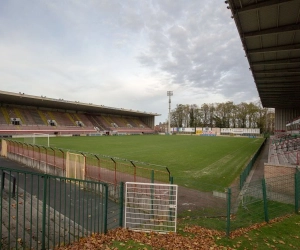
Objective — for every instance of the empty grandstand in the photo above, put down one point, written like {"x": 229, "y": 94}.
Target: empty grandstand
{"x": 26, "y": 114}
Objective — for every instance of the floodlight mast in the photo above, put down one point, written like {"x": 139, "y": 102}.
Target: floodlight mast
{"x": 169, "y": 94}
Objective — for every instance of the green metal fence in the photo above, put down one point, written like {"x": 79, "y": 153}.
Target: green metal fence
{"x": 235, "y": 208}
{"x": 263, "y": 200}
{"x": 40, "y": 211}
{"x": 248, "y": 168}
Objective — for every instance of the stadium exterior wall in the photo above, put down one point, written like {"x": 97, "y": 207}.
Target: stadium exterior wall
{"x": 277, "y": 171}
{"x": 272, "y": 170}
{"x": 283, "y": 116}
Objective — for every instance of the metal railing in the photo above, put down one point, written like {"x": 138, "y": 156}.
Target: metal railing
{"x": 48, "y": 211}
{"x": 5, "y": 173}
{"x": 248, "y": 168}
{"x": 98, "y": 167}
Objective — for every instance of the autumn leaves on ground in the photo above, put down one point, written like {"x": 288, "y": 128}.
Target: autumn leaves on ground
{"x": 191, "y": 237}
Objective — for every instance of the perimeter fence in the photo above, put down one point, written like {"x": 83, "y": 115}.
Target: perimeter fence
{"x": 235, "y": 208}
{"x": 245, "y": 173}
{"x": 41, "y": 211}
{"x": 97, "y": 167}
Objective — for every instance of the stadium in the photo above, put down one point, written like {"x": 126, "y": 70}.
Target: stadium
{"x": 23, "y": 114}
{"x": 227, "y": 182}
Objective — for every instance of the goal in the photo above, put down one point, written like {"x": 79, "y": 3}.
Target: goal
{"x": 37, "y": 139}
{"x": 151, "y": 207}
{"x": 75, "y": 166}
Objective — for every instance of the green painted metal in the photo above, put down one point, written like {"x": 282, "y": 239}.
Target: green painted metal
{"x": 152, "y": 176}
{"x": 1, "y": 205}
{"x": 121, "y": 202}
{"x": 44, "y": 212}
{"x": 49, "y": 211}
{"x": 228, "y": 212}
{"x": 248, "y": 168}
{"x": 297, "y": 191}
{"x": 264, "y": 189}
{"x": 105, "y": 207}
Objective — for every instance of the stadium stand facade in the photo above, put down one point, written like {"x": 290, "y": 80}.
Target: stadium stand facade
{"x": 26, "y": 114}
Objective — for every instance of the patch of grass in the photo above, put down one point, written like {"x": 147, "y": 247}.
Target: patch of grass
{"x": 279, "y": 235}
{"x": 208, "y": 218}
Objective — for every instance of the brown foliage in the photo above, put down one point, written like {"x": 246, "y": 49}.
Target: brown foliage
{"x": 197, "y": 238}
{"x": 200, "y": 238}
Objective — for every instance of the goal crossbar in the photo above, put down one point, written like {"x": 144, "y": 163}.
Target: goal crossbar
{"x": 38, "y": 139}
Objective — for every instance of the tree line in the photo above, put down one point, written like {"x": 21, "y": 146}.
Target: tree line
{"x": 224, "y": 115}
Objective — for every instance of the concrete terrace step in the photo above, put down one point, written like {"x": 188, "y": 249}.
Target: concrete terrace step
{"x": 22, "y": 223}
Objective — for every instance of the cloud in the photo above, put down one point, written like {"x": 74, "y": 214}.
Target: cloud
{"x": 124, "y": 54}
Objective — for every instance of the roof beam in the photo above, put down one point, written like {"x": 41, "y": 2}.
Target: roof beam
{"x": 259, "y": 5}
{"x": 268, "y": 91}
{"x": 275, "y": 49}
{"x": 275, "y": 30}
{"x": 277, "y": 62}
{"x": 281, "y": 88}
{"x": 288, "y": 72}
{"x": 278, "y": 78}
{"x": 269, "y": 85}
{"x": 278, "y": 71}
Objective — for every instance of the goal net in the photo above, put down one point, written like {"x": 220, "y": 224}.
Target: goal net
{"x": 75, "y": 166}
{"x": 37, "y": 139}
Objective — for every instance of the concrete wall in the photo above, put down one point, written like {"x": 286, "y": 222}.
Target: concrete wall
{"x": 113, "y": 192}
{"x": 284, "y": 175}
{"x": 35, "y": 164}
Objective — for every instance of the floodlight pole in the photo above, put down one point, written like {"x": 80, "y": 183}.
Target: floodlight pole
{"x": 169, "y": 94}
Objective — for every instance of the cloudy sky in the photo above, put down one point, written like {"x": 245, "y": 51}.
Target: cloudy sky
{"x": 124, "y": 53}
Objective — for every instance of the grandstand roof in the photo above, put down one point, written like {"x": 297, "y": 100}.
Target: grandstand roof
{"x": 270, "y": 34}
{"x": 46, "y": 102}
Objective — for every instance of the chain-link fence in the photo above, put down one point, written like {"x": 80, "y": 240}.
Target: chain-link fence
{"x": 257, "y": 202}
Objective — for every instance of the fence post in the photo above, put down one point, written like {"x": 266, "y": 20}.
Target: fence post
{"x": 265, "y": 200}
{"x": 115, "y": 173}
{"x": 152, "y": 176}
{"x": 171, "y": 180}
{"x": 121, "y": 200}
{"x": 134, "y": 174}
{"x": 1, "y": 209}
{"x": 297, "y": 192}
{"x": 228, "y": 211}
{"x": 44, "y": 211}
{"x": 241, "y": 181}
{"x": 105, "y": 210}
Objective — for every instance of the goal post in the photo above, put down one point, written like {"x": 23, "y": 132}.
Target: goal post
{"x": 38, "y": 139}
{"x": 75, "y": 166}
{"x": 151, "y": 207}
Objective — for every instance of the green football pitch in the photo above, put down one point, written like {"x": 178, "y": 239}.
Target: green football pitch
{"x": 192, "y": 160}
